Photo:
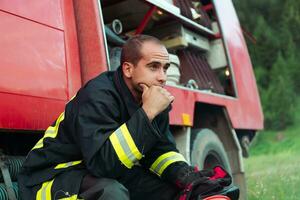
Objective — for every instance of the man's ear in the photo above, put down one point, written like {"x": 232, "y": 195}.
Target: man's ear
{"x": 127, "y": 68}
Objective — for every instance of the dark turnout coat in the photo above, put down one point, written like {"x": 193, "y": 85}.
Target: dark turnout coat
{"x": 102, "y": 131}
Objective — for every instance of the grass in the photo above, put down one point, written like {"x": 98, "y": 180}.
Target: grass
{"x": 274, "y": 177}
{"x": 273, "y": 169}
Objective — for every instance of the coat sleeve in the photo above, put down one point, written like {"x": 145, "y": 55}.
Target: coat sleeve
{"x": 108, "y": 146}
{"x": 164, "y": 158}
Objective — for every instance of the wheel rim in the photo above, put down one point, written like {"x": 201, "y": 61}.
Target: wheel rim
{"x": 211, "y": 160}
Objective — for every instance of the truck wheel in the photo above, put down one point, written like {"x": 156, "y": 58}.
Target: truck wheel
{"x": 208, "y": 151}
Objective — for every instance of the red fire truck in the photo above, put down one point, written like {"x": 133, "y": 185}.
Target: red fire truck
{"x": 50, "y": 48}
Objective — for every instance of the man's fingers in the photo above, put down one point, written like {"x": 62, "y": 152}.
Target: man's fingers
{"x": 156, "y": 90}
{"x": 144, "y": 87}
{"x": 164, "y": 91}
{"x": 172, "y": 98}
{"x": 167, "y": 94}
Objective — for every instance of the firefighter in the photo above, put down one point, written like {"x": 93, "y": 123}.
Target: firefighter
{"x": 113, "y": 141}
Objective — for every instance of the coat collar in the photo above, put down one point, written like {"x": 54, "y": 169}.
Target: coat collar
{"x": 126, "y": 95}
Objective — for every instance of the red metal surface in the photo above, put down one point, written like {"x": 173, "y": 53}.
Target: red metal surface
{"x": 46, "y": 12}
{"x": 41, "y": 66}
{"x": 207, "y": 7}
{"x": 39, "y": 63}
{"x": 244, "y": 111}
{"x": 71, "y": 48}
{"x": 32, "y": 58}
{"x": 91, "y": 41}
{"x": 27, "y": 112}
{"x": 217, "y": 36}
{"x": 249, "y": 112}
{"x": 145, "y": 20}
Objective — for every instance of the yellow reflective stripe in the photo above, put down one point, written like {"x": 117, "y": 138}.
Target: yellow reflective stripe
{"x": 163, "y": 161}
{"x": 124, "y": 146}
{"x": 50, "y": 132}
{"x": 73, "y": 197}
{"x": 119, "y": 150}
{"x": 72, "y": 97}
{"x": 130, "y": 142}
{"x": 38, "y": 145}
{"x": 59, "y": 119}
{"x": 161, "y": 158}
{"x": 166, "y": 164}
{"x": 44, "y": 193}
{"x": 67, "y": 164}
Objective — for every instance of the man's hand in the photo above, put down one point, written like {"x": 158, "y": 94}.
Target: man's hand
{"x": 197, "y": 183}
{"x": 155, "y": 100}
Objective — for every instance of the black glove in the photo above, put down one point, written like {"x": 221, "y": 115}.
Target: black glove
{"x": 187, "y": 175}
{"x": 194, "y": 182}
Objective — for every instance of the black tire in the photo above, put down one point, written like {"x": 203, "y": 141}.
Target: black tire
{"x": 208, "y": 151}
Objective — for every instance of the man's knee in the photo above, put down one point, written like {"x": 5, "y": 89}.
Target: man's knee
{"x": 115, "y": 190}
{"x": 103, "y": 189}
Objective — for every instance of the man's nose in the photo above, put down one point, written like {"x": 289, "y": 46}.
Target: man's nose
{"x": 162, "y": 76}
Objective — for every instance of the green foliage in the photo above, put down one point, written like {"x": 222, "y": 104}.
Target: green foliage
{"x": 279, "y": 97}
{"x": 275, "y": 56}
{"x": 264, "y": 54}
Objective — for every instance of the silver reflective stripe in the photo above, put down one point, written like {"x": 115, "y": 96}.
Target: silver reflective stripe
{"x": 125, "y": 146}
{"x": 50, "y": 131}
{"x": 69, "y": 164}
{"x": 158, "y": 167}
{"x": 44, "y": 193}
{"x": 164, "y": 160}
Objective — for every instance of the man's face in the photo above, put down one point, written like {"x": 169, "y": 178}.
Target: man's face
{"x": 151, "y": 68}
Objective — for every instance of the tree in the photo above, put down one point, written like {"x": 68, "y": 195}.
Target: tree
{"x": 280, "y": 97}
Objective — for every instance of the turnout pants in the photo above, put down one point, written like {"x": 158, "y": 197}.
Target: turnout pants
{"x": 137, "y": 184}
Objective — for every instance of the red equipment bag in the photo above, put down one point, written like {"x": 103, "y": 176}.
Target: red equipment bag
{"x": 227, "y": 191}
{"x": 217, "y": 197}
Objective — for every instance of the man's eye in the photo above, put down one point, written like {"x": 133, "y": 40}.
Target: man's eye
{"x": 153, "y": 67}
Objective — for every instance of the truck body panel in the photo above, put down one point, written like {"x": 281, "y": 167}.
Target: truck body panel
{"x": 59, "y": 56}
{"x": 40, "y": 67}
{"x": 51, "y": 48}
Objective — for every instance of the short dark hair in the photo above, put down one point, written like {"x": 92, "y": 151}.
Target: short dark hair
{"x": 131, "y": 50}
